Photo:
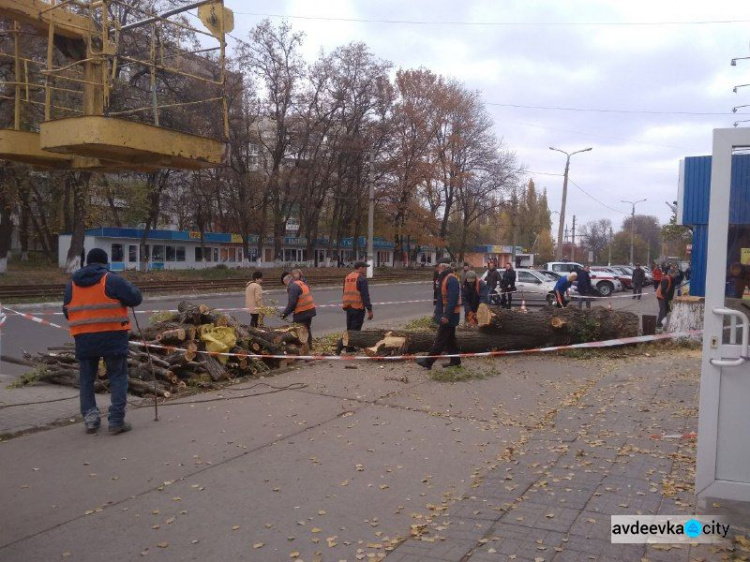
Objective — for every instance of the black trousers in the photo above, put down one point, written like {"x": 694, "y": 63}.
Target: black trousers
{"x": 637, "y": 291}
{"x": 663, "y": 310}
{"x": 506, "y": 300}
{"x": 445, "y": 341}
{"x": 307, "y": 324}
{"x": 355, "y": 318}
{"x": 254, "y": 320}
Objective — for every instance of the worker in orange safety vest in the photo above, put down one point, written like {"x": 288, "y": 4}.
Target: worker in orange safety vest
{"x": 300, "y": 302}
{"x": 356, "y": 300}
{"x": 96, "y": 305}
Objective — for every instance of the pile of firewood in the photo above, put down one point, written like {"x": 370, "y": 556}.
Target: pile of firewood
{"x": 500, "y": 329}
{"x": 184, "y": 349}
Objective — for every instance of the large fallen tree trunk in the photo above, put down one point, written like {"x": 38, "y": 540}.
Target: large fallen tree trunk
{"x": 388, "y": 342}
{"x": 559, "y": 326}
{"x": 503, "y": 330}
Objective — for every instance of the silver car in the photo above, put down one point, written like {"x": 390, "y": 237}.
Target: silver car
{"x": 531, "y": 286}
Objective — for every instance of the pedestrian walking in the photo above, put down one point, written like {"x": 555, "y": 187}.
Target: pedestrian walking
{"x": 657, "y": 275}
{"x": 493, "y": 281}
{"x": 96, "y": 305}
{"x": 585, "y": 288}
{"x": 356, "y": 300}
{"x": 254, "y": 299}
{"x": 638, "y": 279}
{"x": 299, "y": 302}
{"x": 447, "y": 316}
{"x": 507, "y": 286}
{"x": 473, "y": 293}
{"x": 562, "y": 289}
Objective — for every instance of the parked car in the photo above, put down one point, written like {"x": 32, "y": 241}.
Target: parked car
{"x": 551, "y": 275}
{"x": 562, "y": 266}
{"x": 532, "y": 286}
{"x": 605, "y": 280}
{"x": 625, "y": 274}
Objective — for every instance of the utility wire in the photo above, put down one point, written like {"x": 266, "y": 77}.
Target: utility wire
{"x": 497, "y": 23}
{"x": 595, "y": 199}
{"x": 602, "y": 110}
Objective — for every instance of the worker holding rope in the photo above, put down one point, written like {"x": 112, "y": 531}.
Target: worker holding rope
{"x": 95, "y": 304}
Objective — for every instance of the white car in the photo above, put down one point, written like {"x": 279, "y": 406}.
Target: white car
{"x": 531, "y": 286}
{"x": 605, "y": 280}
{"x": 562, "y": 267}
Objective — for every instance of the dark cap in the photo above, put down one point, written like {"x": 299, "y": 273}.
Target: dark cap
{"x": 97, "y": 255}
{"x": 358, "y": 264}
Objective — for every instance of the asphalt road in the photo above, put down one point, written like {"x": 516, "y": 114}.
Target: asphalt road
{"x": 20, "y": 334}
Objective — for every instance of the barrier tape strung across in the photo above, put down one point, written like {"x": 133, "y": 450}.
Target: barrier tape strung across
{"x": 485, "y": 354}
{"x": 34, "y": 318}
{"x": 236, "y": 309}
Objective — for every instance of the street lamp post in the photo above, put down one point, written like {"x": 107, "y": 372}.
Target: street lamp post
{"x": 559, "y": 249}
{"x": 632, "y": 225}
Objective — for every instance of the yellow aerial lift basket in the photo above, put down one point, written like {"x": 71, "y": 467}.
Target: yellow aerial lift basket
{"x": 115, "y": 95}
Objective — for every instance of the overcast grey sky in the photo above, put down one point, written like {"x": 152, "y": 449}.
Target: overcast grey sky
{"x": 638, "y": 87}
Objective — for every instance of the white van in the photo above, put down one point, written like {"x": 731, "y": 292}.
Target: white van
{"x": 562, "y": 266}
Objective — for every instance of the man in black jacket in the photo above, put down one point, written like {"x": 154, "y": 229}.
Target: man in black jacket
{"x": 492, "y": 280}
{"x": 585, "y": 288}
{"x": 639, "y": 278}
{"x": 508, "y": 286}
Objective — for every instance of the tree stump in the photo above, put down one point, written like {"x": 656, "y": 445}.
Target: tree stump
{"x": 686, "y": 315}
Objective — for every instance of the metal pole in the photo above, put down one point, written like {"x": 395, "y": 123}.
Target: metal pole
{"x": 166, "y": 14}
{"x": 632, "y": 226}
{"x": 371, "y": 227}
{"x": 573, "y": 245}
{"x": 558, "y": 252}
{"x": 632, "y": 234}
{"x": 609, "y": 256}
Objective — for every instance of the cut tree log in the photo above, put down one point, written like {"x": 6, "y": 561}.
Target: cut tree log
{"x": 559, "y": 326}
{"x": 470, "y": 340}
{"x": 194, "y": 313}
{"x": 216, "y": 370}
{"x": 415, "y": 341}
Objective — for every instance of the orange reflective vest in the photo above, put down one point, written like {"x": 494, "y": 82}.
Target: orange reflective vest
{"x": 305, "y": 300}
{"x": 659, "y": 294}
{"x": 444, "y": 292}
{"x": 352, "y": 296}
{"x": 91, "y": 310}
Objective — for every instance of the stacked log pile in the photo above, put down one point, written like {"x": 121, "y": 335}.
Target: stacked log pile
{"x": 184, "y": 350}
{"x": 501, "y": 329}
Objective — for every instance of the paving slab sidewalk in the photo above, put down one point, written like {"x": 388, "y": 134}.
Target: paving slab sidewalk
{"x": 526, "y": 462}
{"x": 626, "y": 446}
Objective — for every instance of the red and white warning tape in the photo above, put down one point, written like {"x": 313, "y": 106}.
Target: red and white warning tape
{"x": 237, "y": 309}
{"x": 485, "y": 354}
{"x": 34, "y": 318}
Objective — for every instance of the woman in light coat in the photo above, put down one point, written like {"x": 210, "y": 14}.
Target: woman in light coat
{"x": 254, "y": 299}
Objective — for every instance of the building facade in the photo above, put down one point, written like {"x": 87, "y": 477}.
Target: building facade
{"x": 181, "y": 249}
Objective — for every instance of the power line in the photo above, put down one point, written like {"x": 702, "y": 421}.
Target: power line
{"x": 497, "y": 23}
{"x": 595, "y": 199}
{"x": 601, "y": 110}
